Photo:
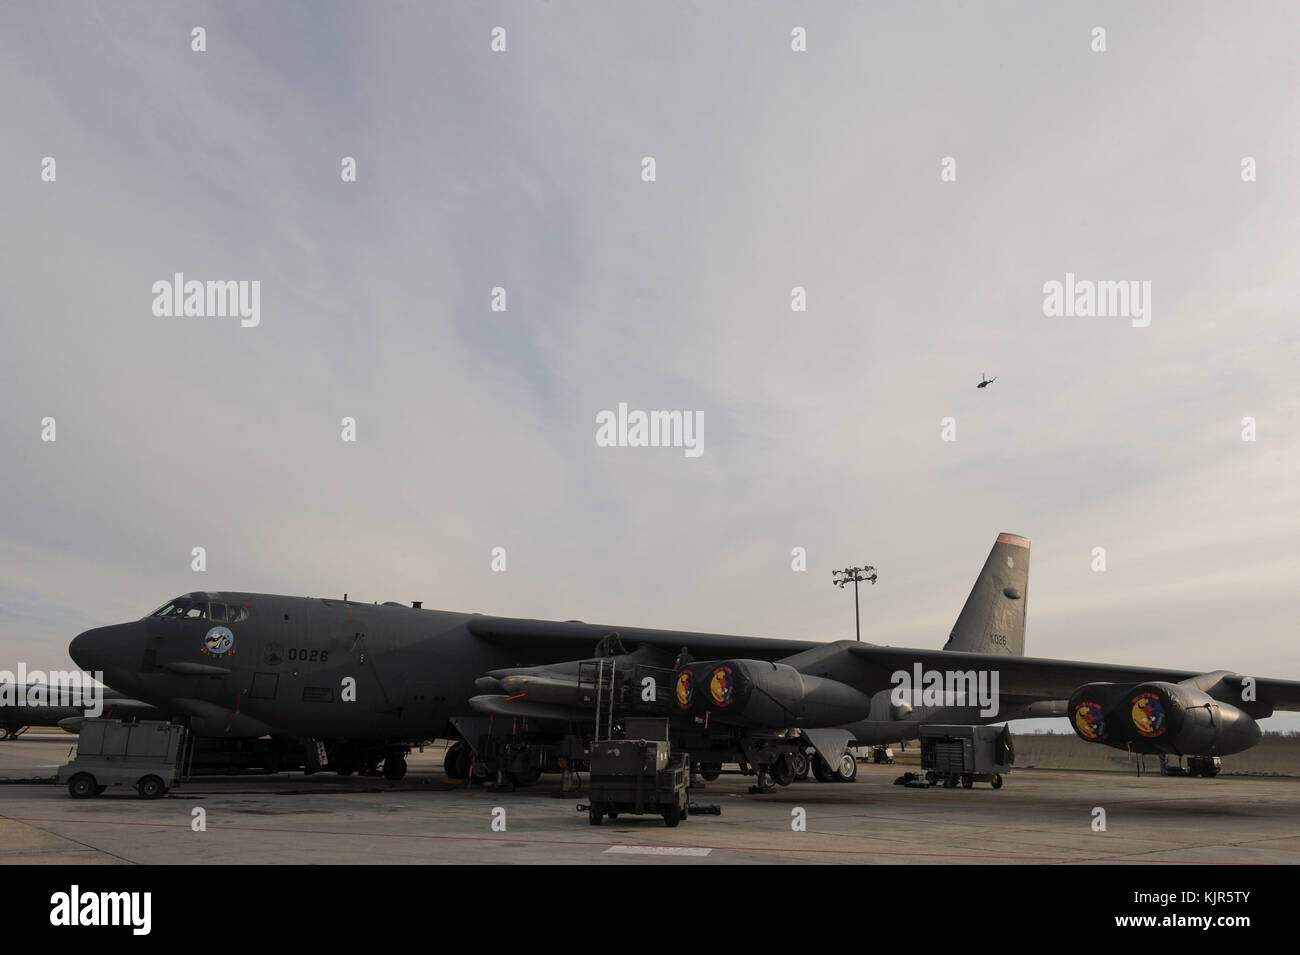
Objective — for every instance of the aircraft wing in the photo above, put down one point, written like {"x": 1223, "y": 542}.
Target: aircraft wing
{"x": 865, "y": 666}
{"x": 547, "y": 640}
{"x": 1030, "y": 678}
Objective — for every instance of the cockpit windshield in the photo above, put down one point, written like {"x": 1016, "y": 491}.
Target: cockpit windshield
{"x": 174, "y": 608}
{"x": 186, "y": 608}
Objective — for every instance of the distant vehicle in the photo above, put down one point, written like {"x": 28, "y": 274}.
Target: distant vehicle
{"x": 985, "y": 382}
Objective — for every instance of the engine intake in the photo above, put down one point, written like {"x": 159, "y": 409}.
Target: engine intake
{"x": 1160, "y": 718}
{"x": 762, "y": 695}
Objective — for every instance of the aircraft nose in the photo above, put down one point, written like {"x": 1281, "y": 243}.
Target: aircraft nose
{"x": 105, "y": 648}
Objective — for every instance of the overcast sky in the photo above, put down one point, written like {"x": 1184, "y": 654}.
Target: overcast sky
{"x": 774, "y": 168}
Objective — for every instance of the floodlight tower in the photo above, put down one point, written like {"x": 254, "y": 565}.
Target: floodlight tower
{"x": 854, "y": 575}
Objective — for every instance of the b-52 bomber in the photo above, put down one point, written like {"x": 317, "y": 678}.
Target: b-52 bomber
{"x": 362, "y": 683}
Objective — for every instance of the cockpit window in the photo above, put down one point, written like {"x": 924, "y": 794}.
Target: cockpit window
{"x": 174, "y": 608}
{"x": 187, "y": 609}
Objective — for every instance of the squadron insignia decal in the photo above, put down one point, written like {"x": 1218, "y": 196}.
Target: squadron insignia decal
{"x": 218, "y": 642}
{"x": 685, "y": 688}
{"x": 721, "y": 685}
{"x": 1148, "y": 715}
{"x": 1089, "y": 720}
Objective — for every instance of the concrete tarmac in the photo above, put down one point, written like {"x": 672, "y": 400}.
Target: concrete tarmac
{"x": 1038, "y": 817}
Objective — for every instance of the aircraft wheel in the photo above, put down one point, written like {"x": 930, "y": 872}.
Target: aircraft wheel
{"x": 996, "y": 781}
{"x": 529, "y": 776}
{"x": 782, "y": 773}
{"x": 710, "y": 771}
{"x": 82, "y": 786}
{"x": 821, "y": 772}
{"x": 456, "y": 761}
{"x": 848, "y": 769}
{"x": 932, "y": 777}
{"x": 151, "y": 787}
{"x": 967, "y": 781}
{"x": 596, "y": 812}
{"x": 799, "y": 764}
{"x": 4, "y": 732}
{"x": 394, "y": 767}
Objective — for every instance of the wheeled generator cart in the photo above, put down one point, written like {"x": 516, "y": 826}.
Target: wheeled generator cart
{"x": 144, "y": 755}
{"x": 965, "y": 755}
{"x": 637, "y": 776}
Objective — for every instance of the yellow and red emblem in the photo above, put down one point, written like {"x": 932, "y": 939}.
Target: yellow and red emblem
{"x": 1148, "y": 715}
{"x": 1089, "y": 720}
{"x": 721, "y": 685}
{"x": 685, "y": 688}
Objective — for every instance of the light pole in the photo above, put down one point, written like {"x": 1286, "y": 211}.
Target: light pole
{"x": 855, "y": 575}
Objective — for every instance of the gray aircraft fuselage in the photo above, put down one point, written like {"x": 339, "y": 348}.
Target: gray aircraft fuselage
{"x": 286, "y": 664}
{"x": 335, "y": 669}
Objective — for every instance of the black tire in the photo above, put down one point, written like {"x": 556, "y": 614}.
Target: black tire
{"x": 394, "y": 767}
{"x": 996, "y": 781}
{"x": 595, "y": 812}
{"x": 672, "y": 816}
{"x": 782, "y": 772}
{"x": 967, "y": 781}
{"x": 82, "y": 786}
{"x": 932, "y": 777}
{"x": 799, "y": 764}
{"x": 848, "y": 768}
{"x": 457, "y": 761}
{"x": 449, "y": 760}
{"x": 821, "y": 772}
{"x": 4, "y": 733}
{"x": 710, "y": 771}
{"x": 151, "y": 787}
{"x": 612, "y": 814}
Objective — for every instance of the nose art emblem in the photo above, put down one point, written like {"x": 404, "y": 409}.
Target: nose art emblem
{"x": 219, "y": 641}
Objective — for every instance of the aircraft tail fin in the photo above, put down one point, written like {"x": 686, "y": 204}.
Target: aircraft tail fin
{"x": 993, "y": 619}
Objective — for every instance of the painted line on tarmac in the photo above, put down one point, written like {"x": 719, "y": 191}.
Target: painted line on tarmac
{"x": 658, "y": 850}
{"x": 508, "y": 837}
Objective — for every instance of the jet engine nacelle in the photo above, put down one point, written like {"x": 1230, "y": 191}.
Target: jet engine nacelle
{"x": 762, "y": 695}
{"x": 1160, "y": 718}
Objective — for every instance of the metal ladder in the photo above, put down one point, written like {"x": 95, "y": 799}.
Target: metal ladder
{"x": 606, "y": 673}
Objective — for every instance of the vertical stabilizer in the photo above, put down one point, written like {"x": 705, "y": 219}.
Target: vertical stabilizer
{"x": 993, "y": 619}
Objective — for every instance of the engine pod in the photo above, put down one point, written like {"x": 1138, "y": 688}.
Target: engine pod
{"x": 761, "y": 695}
